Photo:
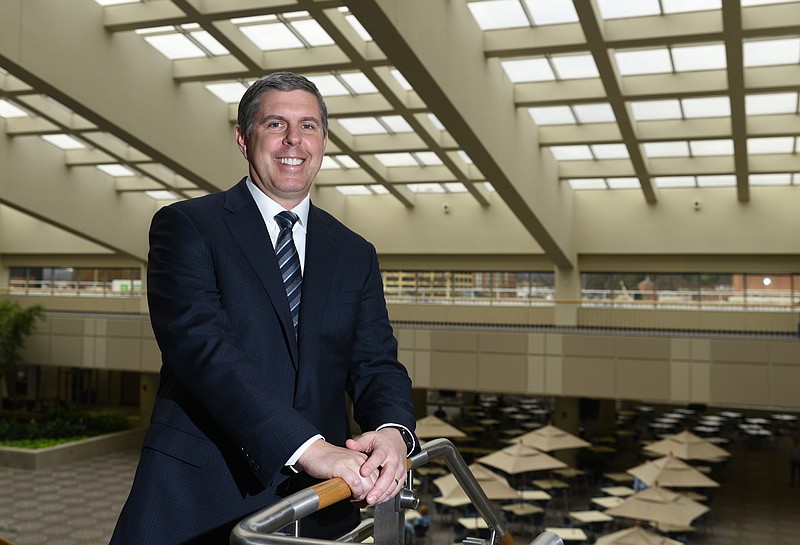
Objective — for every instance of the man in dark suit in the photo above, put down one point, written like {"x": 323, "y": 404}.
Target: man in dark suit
{"x": 250, "y": 406}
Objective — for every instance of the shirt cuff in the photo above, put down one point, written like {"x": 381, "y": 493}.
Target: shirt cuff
{"x": 299, "y": 452}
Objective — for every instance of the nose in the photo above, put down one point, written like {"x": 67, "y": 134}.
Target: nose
{"x": 292, "y": 136}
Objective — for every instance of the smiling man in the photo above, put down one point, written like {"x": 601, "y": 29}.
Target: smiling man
{"x": 267, "y": 311}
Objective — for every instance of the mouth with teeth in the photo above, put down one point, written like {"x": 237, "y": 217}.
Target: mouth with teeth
{"x": 291, "y": 161}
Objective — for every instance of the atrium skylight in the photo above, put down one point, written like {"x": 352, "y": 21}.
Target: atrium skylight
{"x": 497, "y": 14}
{"x": 358, "y": 27}
{"x": 771, "y": 52}
{"x": 623, "y": 9}
{"x": 722, "y": 180}
{"x": 175, "y": 46}
{"x": 552, "y": 115}
{"x": 552, "y": 12}
{"x": 610, "y": 151}
{"x": 161, "y": 195}
{"x": 353, "y": 190}
{"x": 363, "y": 125}
{"x": 575, "y": 66}
{"x": 64, "y": 141}
{"x": 272, "y": 36}
{"x": 623, "y": 183}
{"x": 402, "y": 159}
{"x": 674, "y": 181}
{"x": 656, "y": 109}
{"x": 703, "y": 148}
{"x": 10, "y": 110}
{"x": 699, "y": 57}
{"x": 580, "y": 152}
{"x": 115, "y": 2}
{"x": 528, "y": 70}
{"x": 666, "y": 149}
{"x": 777, "y": 144}
{"x": 594, "y": 113}
{"x": 770, "y": 179}
{"x": 230, "y": 93}
{"x": 428, "y": 158}
{"x": 426, "y": 188}
{"x": 702, "y": 107}
{"x": 455, "y": 187}
{"x": 557, "y": 67}
{"x": 643, "y": 61}
{"x": 580, "y": 184}
{"x": 116, "y": 170}
{"x": 771, "y": 103}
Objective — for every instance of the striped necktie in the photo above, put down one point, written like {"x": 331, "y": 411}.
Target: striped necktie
{"x": 289, "y": 262}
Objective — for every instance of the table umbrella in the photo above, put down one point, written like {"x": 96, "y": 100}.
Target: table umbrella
{"x": 687, "y": 446}
{"x": 521, "y": 458}
{"x": 549, "y": 438}
{"x": 635, "y": 535}
{"x": 670, "y": 471}
{"x": 494, "y": 486}
{"x": 656, "y": 504}
{"x": 434, "y": 427}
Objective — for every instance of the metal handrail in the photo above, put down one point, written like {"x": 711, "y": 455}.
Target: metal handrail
{"x": 261, "y": 527}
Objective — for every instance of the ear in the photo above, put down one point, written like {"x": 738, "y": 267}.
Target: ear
{"x": 241, "y": 141}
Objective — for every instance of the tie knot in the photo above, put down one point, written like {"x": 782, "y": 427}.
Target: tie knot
{"x": 286, "y": 219}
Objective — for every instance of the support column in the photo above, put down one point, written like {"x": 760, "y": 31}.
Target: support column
{"x": 5, "y": 275}
{"x": 568, "y": 292}
{"x": 143, "y": 299}
{"x": 566, "y": 415}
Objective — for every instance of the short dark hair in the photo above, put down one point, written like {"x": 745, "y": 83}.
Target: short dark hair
{"x": 276, "y": 81}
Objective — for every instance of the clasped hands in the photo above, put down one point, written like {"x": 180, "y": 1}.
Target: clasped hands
{"x": 373, "y": 466}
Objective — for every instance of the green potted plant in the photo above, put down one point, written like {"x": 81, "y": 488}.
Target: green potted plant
{"x": 16, "y": 323}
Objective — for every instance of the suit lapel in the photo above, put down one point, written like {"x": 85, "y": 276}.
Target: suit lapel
{"x": 322, "y": 253}
{"x": 247, "y": 227}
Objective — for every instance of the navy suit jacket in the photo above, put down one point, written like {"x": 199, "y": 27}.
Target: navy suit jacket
{"x": 238, "y": 393}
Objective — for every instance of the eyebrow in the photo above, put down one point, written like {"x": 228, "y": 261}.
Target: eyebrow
{"x": 270, "y": 117}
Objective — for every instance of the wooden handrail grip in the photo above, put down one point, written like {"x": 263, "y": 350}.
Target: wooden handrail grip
{"x": 331, "y": 491}
{"x": 335, "y": 490}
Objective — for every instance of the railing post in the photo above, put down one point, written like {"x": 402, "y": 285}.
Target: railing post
{"x": 389, "y": 523}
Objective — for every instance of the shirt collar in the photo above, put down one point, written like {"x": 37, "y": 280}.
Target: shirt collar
{"x": 269, "y": 208}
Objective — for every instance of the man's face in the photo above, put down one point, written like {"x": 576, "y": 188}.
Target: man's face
{"x": 285, "y": 146}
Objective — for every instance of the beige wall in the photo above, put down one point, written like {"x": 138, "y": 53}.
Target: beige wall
{"x": 760, "y": 373}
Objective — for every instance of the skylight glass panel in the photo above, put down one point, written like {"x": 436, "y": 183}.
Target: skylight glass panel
{"x": 353, "y": 190}
{"x": 426, "y": 188}
{"x": 575, "y": 66}
{"x": 552, "y": 115}
{"x": 706, "y": 148}
{"x": 666, "y": 149}
{"x": 397, "y": 124}
{"x": 296, "y": 14}
{"x": 656, "y": 109}
{"x": 681, "y": 6}
{"x": 594, "y": 113}
{"x": 396, "y": 74}
{"x": 346, "y": 161}
{"x": 455, "y": 187}
{"x": 747, "y": 3}
{"x": 175, "y": 46}
{"x": 9, "y": 110}
{"x": 115, "y": 170}
{"x": 396, "y": 159}
{"x": 771, "y": 52}
{"x": 358, "y": 27}
{"x": 329, "y": 85}
{"x": 771, "y": 103}
{"x": 272, "y": 37}
{"x": 209, "y": 42}
{"x": 552, "y": 12}
{"x": 328, "y": 163}
{"x": 464, "y": 157}
{"x": 312, "y": 32}
{"x": 581, "y": 184}
{"x": 572, "y": 153}
{"x": 722, "y": 180}
{"x": 489, "y": 187}
{"x": 435, "y": 121}
{"x": 64, "y": 141}
{"x": 643, "y": 61}
{"x": 699, "y": 57}
{"x": 154, "y": 30}
{"x": 378, "y": 189}
{"x": 161, "y": 195}
{"x": 795, "y": 179}
{"x": 496, "y": 14}
{"x": 610, "y": 151}
{"x": 359, "y": 83}
{"x": 114, "y": 2}
{"x": 696, "y": 108}
{"x": 770, "y": 179}
{"x": 674, "y": 181}
{"x": 623, "y": 183}
{"x": 778, "y": 144}
{"x": 230, "y": 93}
{"x": 621, "y": 9}
{"x": 362, "y": 125}
{"x": 428, "y": 158}
{"x": 528, "y": 70}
